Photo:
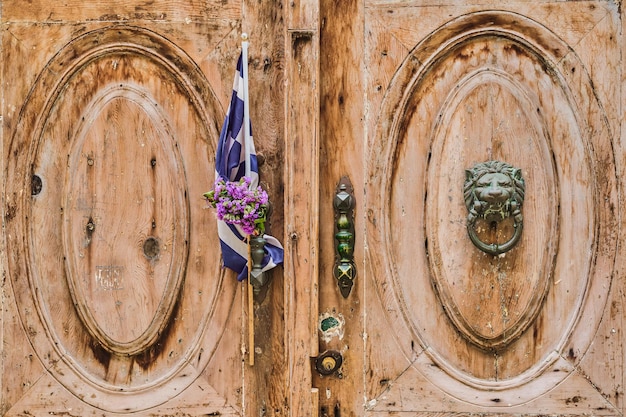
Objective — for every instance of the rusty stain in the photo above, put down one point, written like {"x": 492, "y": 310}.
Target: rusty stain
{"x": 10, "y": 212}
{"x": 574, "y": 400}
{"x": 151, "y": 355}
{"x": 100, "y": 354}
{"x": 571, "y": 355}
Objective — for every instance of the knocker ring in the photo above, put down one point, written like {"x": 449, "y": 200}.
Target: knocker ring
{"x": 494, "y": 191}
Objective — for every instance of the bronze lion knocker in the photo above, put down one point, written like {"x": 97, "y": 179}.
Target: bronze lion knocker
{"x": 494, "y": 191}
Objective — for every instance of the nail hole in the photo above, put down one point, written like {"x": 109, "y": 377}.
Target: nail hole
{"x": 151, "y": 248}
{"x": 89, "y": 228}
{"x": 36, "y": 185}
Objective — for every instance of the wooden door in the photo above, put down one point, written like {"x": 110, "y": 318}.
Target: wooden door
{"x": 114, "y": 298}
{"x": 414, "y": 94}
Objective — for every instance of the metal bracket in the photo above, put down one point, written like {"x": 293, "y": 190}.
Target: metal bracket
{"x": 258, "y": 279}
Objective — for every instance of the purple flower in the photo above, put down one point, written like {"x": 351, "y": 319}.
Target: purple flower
{"x": 236, "y": 203}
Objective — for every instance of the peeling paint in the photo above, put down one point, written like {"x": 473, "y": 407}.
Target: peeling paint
{"x": 330, "y": 325}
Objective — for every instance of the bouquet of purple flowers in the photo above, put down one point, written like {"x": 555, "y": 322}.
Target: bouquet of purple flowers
{"x": 238, "y": 204}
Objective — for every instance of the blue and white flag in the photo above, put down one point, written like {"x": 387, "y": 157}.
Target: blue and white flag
{"x": 236, "y": 158}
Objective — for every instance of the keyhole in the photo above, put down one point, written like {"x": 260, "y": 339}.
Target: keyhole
{"x": 329, "y": 363}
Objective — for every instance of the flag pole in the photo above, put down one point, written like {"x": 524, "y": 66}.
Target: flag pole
{"x": 246, "y": 103}
{"x": 250, "y": 310}
{"x": 248, "y": 170}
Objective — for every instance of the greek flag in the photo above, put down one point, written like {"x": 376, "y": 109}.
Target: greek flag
{"x": 236, "y": 158}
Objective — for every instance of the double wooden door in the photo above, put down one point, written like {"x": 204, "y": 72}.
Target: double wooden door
{"x": 114, "y": 300}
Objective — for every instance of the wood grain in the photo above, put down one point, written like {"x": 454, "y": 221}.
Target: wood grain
{"x": 341, "y": 154}
{"x": 419, "y": 175}
{"x": 158, "y": 114}
{"x": 302, "y": 69}
{"x": 265, "y": 383}
{"x": 107, "y": 11}
{"x": 402, "y": 97}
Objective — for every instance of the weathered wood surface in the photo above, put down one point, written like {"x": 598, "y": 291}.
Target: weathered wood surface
{"x": 420, "y": 262}
{"x": 302, "y": 141}
{"x": 154, "y": 12}
{"x": 341, "y": 154}
{"x": 399, "y": 96}
{"x": 162, "y": 104}
{"x": 266, "y": 389}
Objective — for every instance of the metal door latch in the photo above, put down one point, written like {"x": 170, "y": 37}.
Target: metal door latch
{"x": 345, "y": 269}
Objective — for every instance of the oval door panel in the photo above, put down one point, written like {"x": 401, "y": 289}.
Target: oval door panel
{"x": 490, "y": 299}
{"x": 482, "y": 89}
{"x": 125, "y": 219}
{"x": 117, "y": 282}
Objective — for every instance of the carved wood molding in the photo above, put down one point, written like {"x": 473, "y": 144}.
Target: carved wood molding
{"x": 110, "y": 262}
{"x": 441, "y": 113}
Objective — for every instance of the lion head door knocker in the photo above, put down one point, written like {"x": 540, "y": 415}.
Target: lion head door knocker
{"x": 493, "y": 192}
